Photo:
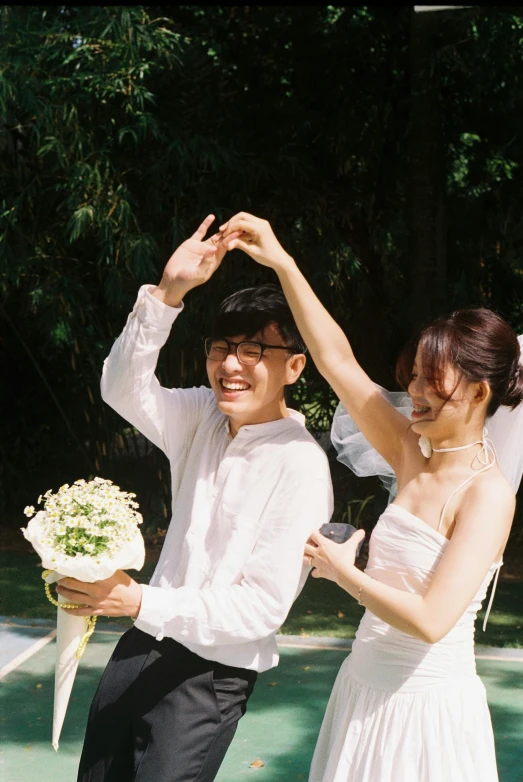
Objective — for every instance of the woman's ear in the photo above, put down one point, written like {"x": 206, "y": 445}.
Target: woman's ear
{"x": 482, "y": 393}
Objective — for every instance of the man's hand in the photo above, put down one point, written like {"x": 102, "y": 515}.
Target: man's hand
{"x": 118, "y": 595}
{"x": 257, "y": 239}
{"x": 192, "y": 264}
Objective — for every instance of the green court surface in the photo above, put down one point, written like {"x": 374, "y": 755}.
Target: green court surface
{"x": 279, "y": 729}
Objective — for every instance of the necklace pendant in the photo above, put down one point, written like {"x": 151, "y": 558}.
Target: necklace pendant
{"x": 425, "y": 446}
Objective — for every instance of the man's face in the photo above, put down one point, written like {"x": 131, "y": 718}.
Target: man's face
{"x": 254, "y": 394}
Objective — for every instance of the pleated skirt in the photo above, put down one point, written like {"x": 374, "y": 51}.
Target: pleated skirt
{"x": 440, "y": 734}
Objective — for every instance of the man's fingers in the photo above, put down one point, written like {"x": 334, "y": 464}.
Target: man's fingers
{"x": 225, "y": 239}
{"x": 63, "y": 588}
{"x": 72, "y": 596}
{"x": 71, "y": 583}
{"x": 240, "y": 222}
{"x": 204, "y": 227}
{"x": 220, "y": 241}
{"x": 79, "y": 611}
{"x": 215, "y": 239}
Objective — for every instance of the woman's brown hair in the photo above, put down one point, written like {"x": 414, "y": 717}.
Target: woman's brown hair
{"x": 479, "y": 344}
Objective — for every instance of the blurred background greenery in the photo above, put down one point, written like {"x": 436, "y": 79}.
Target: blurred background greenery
{"x": 384, "y": 146}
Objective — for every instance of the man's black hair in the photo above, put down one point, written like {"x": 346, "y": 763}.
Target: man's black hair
{"x": 252, "y": 309}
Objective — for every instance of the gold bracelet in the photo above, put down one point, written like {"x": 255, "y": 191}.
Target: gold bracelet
{"x": 90, "y": 621}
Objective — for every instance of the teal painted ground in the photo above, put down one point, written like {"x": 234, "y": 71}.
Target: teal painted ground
{"x": 280, "y": 727}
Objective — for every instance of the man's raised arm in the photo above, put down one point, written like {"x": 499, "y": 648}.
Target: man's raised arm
{"x": 129, "y": 384}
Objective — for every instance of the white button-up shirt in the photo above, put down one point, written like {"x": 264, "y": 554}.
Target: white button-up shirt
{"x": 242, "y": 509}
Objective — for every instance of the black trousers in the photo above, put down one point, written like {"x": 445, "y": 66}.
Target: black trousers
{"x": 162, "y": 714}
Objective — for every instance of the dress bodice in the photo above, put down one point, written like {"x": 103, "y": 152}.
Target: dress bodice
{"x": 404, "y": 552}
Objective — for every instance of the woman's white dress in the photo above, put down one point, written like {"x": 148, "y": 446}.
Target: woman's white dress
{"x": 402, "y": 710}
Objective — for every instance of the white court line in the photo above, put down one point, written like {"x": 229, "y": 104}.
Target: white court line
{"x": 314, "y": 646}
{"x": 496, "y": 658}
{"x": 21, "y": 658}
{"x": 293, "y": 644}
{"x": 499, "y": 659}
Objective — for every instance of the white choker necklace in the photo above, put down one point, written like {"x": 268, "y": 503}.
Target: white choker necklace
{"x": 427, "y": 450}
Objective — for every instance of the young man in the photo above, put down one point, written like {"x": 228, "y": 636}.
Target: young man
{"x": 249, "y": 485}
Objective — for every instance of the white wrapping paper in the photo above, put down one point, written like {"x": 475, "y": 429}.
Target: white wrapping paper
{"x": 71, "y": 629}
{"x": 69, "y": 632}
{"x": 130, "y": 554}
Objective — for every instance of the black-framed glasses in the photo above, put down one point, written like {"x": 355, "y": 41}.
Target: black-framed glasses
{"x": 248, "y": 353}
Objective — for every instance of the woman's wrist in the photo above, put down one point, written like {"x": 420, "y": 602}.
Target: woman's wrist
{"x": 353, "y": 580}
{"x": 364, "y": 583}
{"x": 285, "y": 265}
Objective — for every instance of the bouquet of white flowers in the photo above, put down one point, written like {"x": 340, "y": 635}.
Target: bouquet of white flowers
{"x": 87, "y": 531}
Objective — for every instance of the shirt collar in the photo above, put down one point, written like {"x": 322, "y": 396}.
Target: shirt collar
{"x": 269, "y": 426}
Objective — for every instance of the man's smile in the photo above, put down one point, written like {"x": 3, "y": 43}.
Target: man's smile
{"x": 234, "y": 385}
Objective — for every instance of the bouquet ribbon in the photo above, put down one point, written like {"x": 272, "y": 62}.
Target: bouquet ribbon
{"x": 90, "y": 620}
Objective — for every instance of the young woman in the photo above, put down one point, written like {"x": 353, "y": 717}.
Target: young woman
{"x": 407, "y": 705}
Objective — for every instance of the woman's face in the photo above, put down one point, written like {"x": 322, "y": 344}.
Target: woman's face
{"x": 433, "y": 416}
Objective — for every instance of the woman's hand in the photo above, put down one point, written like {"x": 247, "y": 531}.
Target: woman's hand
{"x": 257, "y": 239}
{"x": 331, "y": 560}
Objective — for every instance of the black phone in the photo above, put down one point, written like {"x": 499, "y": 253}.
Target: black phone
{"x": 339, "y": 533}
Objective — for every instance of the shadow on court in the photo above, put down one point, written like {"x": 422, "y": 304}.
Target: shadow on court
{"x": 280, "y": 727}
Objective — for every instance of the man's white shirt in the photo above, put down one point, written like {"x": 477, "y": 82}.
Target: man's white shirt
{"x": 242, "y": 508}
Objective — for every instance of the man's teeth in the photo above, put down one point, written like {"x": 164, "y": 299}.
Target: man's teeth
{"x": 235, "y": 386}
{"x": 419, "y": 409}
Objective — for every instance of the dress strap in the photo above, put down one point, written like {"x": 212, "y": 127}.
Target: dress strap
{"x": 487, "y": 456}
{"x": 453, "y": 493}
{"x": 488, "y": 462}
{"x": 491, "y": 600}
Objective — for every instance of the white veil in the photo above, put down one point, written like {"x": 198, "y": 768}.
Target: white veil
{"x": 505, "y": 429}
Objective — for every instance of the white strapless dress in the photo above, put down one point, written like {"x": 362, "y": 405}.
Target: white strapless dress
{"x": 402, "y": 710}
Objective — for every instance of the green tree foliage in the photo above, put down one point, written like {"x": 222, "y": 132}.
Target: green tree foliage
{"x": 78, "y": 111}
{"x": 122, "y": 127}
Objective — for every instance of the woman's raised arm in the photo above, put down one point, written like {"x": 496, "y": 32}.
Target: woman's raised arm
{"x": 384, "y": 427}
